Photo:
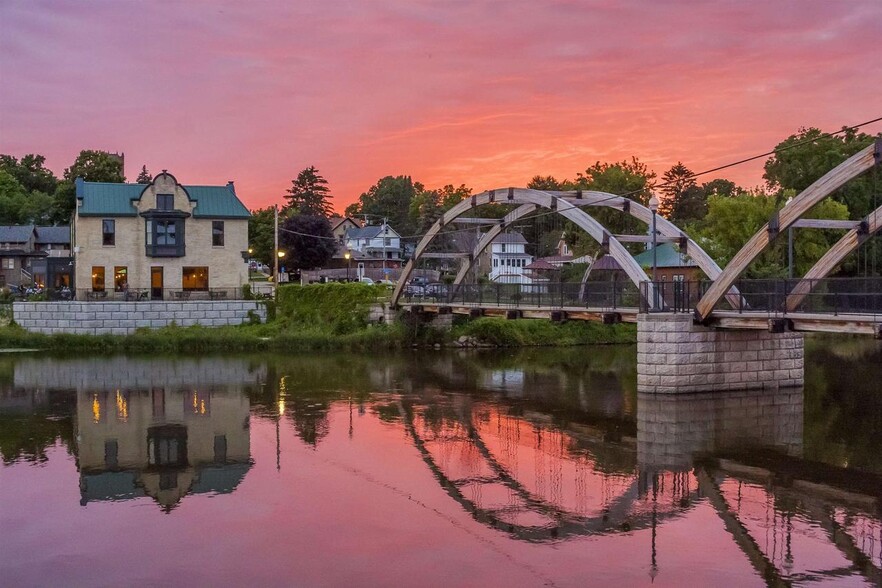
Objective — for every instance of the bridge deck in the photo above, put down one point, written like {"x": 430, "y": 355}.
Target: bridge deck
{"x": 864, "y": 324}
{"x": 579, "y": 313}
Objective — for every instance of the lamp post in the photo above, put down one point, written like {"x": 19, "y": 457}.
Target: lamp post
{"x": 279, "y": 256}
{"x": 348, "y": 256}
{"x": 653, "y": 206}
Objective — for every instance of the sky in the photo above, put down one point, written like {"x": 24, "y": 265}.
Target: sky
{"x": 486, "y": 93}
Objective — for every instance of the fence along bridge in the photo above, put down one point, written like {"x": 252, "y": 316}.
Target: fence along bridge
{"x": 813, "y": 303}
{"x": 723, "y": 302}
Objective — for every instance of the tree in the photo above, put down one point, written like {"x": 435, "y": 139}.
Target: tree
{"x": 96, "y": 166}
{"x": 389, "y": 198}
{"x": 30, "y": 172}
{"x": 675, "y": 182}
{"x": 261, "y": 234}
{"x": 144, "y": 176}
{"x": 631, "y": 179}
{"x": 732, "y": 221}
{"x": 12, "y": 199}
{"x": 307, "y": 240}
{"x": 309, "y": 194}
{"x": 804, "y": 157}
{"x": 92, "y": 166}
{"x": 720, "y": 187}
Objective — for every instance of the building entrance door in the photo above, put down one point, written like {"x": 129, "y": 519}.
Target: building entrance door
{"x": 156, "y": 283}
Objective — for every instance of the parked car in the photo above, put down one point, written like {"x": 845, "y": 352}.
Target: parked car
{"x": 436, "y": 290}
{"x": 366, "y": 280}
{"x": 414, "y": 290}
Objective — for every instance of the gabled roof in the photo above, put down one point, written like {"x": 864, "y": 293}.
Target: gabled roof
{"x": 370, "y": 232}
{"x": 667, "y": 256}
{"x": 515, "y": 238}
{"x": 217, "y": 202}
{"x": 53, "y": 235}
{"x": 16, "y": 233}
{"x": 112, "y": 199}
{"x": 336, "y": 221}
{"x": 541, "y": 264}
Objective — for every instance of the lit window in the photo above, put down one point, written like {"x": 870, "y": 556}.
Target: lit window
{"x": 97, "y": 278}
{"x": 217, "y": 233}
{"x": 195, "y": 278}
{"x": 108, "y": 232}
{"x": 120, "y": 278}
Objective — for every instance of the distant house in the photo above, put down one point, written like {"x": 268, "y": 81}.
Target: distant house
{"x": 375, "y": 242}
{"x": 340, "y": 224}
{"x": 671, "y": 265}
{"x": 35, "y": 255}
{"x": 509, "y": 259}
{"x": 161, "y": 239}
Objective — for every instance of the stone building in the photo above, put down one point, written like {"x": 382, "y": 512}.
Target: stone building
{"x": 162, "y": 240}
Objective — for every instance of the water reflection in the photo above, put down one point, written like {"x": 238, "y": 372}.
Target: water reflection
{"x": 541, "y": 449}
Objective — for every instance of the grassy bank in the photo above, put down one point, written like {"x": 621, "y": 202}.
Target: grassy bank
{"x": 320, "y": 317}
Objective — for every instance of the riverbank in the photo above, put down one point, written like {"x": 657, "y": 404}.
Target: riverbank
{"x": 325, "y": 317}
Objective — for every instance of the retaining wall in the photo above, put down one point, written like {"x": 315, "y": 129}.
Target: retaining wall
{"x": 674, "y": 356}
{"x": 122, "y": 318}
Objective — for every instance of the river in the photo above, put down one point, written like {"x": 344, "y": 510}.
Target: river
{"x": 538, "y": 467}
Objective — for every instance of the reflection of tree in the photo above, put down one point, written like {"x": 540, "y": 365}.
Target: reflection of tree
{"x": 310, "y": 417}
{"x": 27, "y": 435}
{"x": 832, "y": 411}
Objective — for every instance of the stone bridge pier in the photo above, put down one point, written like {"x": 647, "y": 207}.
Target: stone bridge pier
{"x": 675, "y": 356}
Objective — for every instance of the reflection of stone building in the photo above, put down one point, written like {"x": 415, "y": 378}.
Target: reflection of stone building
{"x": 153, "y": 428}
{"x": 161, "y": 442}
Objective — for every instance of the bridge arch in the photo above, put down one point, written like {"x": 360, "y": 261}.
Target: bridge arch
{"x": 569, "y": 205}
{"x": 783, "y": 219}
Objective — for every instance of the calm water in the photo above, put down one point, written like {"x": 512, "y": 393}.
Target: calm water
{"x": 434, "y": 468}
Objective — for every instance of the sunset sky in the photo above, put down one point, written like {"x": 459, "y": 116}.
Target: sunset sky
{"x": 485, "y": 93}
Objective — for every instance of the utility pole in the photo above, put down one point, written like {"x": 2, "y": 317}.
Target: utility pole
{"x": 384, "y": 249}
{"x": 276, "y": 249}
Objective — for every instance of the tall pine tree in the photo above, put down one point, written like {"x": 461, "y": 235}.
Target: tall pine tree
{"x": 309, "y": 194}
{"x": 144, "y": 176}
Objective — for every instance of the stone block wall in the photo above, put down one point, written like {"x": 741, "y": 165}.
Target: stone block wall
{"x": 122, "y": 318}
{"x": 672, "y": 429}
{"x": 675, "y": 356}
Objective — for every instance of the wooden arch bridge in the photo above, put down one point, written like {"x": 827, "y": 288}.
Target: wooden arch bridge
{"x": 724, "y": 300}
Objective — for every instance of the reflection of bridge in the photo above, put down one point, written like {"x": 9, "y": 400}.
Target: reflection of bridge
{"x": 725, "y": 302}
{"x": 537, "y": 483}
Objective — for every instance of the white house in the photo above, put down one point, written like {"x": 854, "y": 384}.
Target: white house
{"x": 508, "y": 258}
{"x": 377, "y": 242}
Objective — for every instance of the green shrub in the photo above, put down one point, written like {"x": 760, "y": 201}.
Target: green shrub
{"x": 341, "y": 308}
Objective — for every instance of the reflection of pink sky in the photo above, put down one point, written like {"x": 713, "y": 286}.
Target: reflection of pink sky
{"x": 482, "y": 93}
{"x": 365, "y": 511}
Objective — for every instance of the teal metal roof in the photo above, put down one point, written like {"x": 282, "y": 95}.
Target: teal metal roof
{"x": 667, "y": 257}
{"x": 216, "y": 202}
{"x": 108, "y": 199}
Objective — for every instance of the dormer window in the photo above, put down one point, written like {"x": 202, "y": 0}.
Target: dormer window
{"x": 165, "y": 202}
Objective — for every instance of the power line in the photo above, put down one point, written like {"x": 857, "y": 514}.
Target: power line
{"x": 496, "y": 222}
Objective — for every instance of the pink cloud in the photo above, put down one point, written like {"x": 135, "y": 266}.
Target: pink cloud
{"x": 482, "y": 93}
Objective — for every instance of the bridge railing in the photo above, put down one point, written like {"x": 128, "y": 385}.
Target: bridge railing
{"x": 595, "y": 295}
{"x": 774, "y": 296}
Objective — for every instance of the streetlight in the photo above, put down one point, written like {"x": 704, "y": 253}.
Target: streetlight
{"x": 653, "y": 206}
{"x": 348, "y": 257}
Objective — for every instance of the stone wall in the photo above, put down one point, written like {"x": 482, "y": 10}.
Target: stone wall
{"x": 674, "y": 356}
{"x": 672, "y": 429}
{"x": 122, "y": 318}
